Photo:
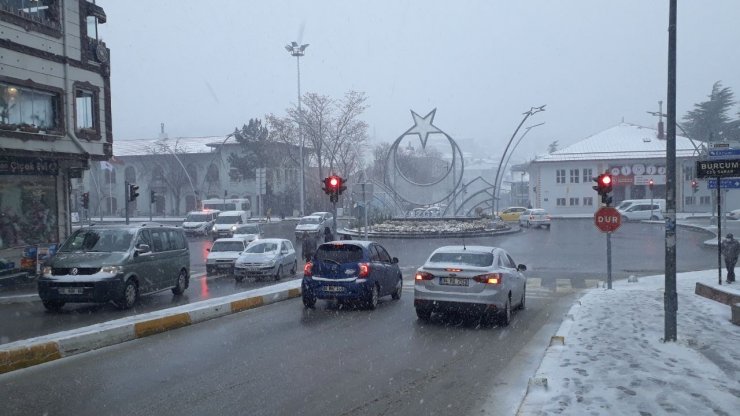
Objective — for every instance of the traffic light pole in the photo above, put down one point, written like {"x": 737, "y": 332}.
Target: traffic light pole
{"x": 609, "y": 260}
{"x": 125, "y": 200}
{"x": 670, "y": 296}
{"x": 719, "y": 230}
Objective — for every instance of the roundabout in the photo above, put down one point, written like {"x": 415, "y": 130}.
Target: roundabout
{"x": 432, "y": 228}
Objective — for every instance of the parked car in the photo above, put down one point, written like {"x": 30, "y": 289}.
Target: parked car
{"x": 733, "y": 215}
{"x": 223, "y": 254}
{"x": 269, "y": 257}
{"x": 511, "y": 213}
{"x": 642, "y": 211}
{"x": 249, "y": 232}
{"x": 479, "y": 279}
{"x": 535, "y": 217}
{"x": 116, "y": 263}
{"x": 226, "y": 223}
{"x": 199, "y": 222}
{"x": 627, "y": 203}
{"x": 351, "y": 270}
{"x": 312, "y": 224}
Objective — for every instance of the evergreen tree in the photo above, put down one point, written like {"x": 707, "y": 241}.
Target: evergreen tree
{"x": 254, "y": 139}
{"x": 708, "y": 121}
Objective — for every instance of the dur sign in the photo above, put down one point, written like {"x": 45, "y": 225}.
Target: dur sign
{"x": 728, "y": 168}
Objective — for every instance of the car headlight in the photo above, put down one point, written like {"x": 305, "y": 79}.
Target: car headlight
{"x": 233, "y": 228}
{"x": 270, "y": 263}
{"x": 214, "y": 228}
{"x": 47, "y": 271}
{"x": 112, "y": 269}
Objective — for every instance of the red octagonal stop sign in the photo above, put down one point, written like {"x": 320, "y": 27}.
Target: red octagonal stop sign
{"x": 607, "y": 219}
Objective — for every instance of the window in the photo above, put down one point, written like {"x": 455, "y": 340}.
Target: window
{"x": 588, "y": 201}
{"x": 212, "y": 174}
{"x": 560, "y": 176}
{"x": 704, "y": 200}
{"x": 588, "y": 176}
{"x": 560, "y": 202}
{"x": 384, "y": 256}
{"x": 84, "y": 110}
{"x": 689, "y": 200}
{"x": 40, "y": 15}
{"x": 574, "y": 176}
{"x": 574, "y": 202}
{"x": 28, "y": 109}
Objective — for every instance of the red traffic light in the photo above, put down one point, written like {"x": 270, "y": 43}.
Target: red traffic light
{"x": 333, "y": 182}
{"x": 605, "y": 180}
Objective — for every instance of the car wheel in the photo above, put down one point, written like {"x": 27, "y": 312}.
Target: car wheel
{"x": 181, "y": 283}
{"x": 309, "y": 300}
{"x": 372, "y": 300}
{"x": 279, "y": 273}
{"x": 399, "y": 289}
{"x": 53, "y": 305}
{"x": 130, "y": 295}
{"x": 505, "y": 317}
{"x": 524, "y": 299}
{"x": 294, "y": 269}
{"x": 423, "y": 314}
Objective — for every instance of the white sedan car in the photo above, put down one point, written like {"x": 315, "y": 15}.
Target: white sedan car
{"x": 268, "y": 257}
{"x": 479, "y": 279}
{"x": 223, "y": 254}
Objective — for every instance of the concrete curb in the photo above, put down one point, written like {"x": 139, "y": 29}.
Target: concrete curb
{"x": 486, "y": 233}
{"x": 30, "y": 352}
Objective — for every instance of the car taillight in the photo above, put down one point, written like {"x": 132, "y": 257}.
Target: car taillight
{"x": 490, "y": 278}
{"x": 364, "y": 270}
{"x": 307, "y": 269}
{"x": 423, "y": 276}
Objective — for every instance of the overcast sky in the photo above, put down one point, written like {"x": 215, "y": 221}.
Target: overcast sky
{"x": 204, "y": 67}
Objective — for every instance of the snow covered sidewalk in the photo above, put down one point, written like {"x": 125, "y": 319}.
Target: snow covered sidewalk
{"x": 613, "y": 361}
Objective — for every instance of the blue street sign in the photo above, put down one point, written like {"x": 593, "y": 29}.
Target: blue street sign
{"x": 724, "y": 153}
{"x": 727, "y": 183}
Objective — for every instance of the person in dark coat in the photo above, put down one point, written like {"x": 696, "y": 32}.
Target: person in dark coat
{"x": 730, "y": 249}
{"x": 328, "y": 236}
{"x": 308, "y": 246}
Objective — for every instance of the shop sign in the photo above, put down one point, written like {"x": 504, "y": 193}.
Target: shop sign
{"x": 28, "y": 166}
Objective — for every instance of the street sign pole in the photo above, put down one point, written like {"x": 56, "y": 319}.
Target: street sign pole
{"x": 609, "y": 260}
{"x": 719, "y": 231}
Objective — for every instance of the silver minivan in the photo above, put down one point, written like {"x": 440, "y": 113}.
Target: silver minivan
{"x": 116, "y": 263}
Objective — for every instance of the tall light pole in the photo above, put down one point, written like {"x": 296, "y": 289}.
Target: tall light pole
{"x": 494, "y": 200}
{"x": 299, "y": 50}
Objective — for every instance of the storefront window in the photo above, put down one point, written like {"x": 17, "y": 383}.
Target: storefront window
{"x": 28, "y": 211}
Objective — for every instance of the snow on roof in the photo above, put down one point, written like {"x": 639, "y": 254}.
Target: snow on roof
{"x": 623, "y": 141}
{"x": 137, "y": 147}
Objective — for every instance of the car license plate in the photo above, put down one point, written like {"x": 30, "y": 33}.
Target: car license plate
{"x": 453, "y": 281}
{"x": 70, "y": 290}
{"x": 224, "y": 266}
{"x": 334, "y": 289}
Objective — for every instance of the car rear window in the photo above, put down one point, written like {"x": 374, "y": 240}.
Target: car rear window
{"x": 466, "y": 259}
{"x": 339, "y": 253}
{"x": 227, "y": 246}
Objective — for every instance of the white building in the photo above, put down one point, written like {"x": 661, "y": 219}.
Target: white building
{"x": 55, "y": 114}
{"x": 562, "y": 182}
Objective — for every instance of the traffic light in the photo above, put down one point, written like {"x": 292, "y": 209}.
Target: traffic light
{"x": 334, "y": 186}
{"x": 604, "y": 188}
{"x": 651, "y": 183}
{"x": 132, "y": 192}
{"x": 152, "y": 197}
{"x": 695, "y": 186}
{"x": 86, "y": 200}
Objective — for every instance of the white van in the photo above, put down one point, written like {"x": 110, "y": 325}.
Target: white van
{"x": 627, "y": 203}
{"x": 199, "y": 222}
{"x": 227, "y": 222}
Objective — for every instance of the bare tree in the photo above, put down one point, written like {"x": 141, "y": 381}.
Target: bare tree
{"x": 348, "y": 133}
{"x": 315, "y": 122}
{"x": 165, "y": 168}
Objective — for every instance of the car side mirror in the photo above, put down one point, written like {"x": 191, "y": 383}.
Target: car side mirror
{"x": 521, "y": 268}
{"x": 143, "y": 248}
{"x": 395, "y": 260}
{"x": 208, "y": 249}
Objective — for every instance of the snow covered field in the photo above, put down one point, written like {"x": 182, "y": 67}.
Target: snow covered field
{"x": 613, "y": 361}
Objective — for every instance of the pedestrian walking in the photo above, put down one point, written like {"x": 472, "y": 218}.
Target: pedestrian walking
{"x": 308, "y": 246}
{"x": 730, "y": 249}
{"x": 269, "y": 214}
{"x": 328, "y": 236}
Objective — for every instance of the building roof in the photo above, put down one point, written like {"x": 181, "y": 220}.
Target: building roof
{"x": 137, "y": 147}
{"x": 623, "y": 141}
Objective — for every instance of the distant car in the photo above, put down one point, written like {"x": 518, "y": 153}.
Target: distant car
{"x": 249, "y": 232}
{"x": 733, "y": 215}
{"x": 223, "y": 254}
{"x": 199, "y": 222}
{"x": 478, "y": 279}
{"x": 642, "y": 211}
{"x": 351, "y": 270}
{"x": 535, "y": 217}
{"x": 512, "y": 213}
{"x": 226, "y": 223}
{"x": 312, "y": 224}
{"x": 269, "y": 257}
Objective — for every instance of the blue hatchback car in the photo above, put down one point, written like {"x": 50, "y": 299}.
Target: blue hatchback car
{"x": 351, "y": 270}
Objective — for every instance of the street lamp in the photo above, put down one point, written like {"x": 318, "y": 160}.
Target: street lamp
{"x": 299, "y": 50}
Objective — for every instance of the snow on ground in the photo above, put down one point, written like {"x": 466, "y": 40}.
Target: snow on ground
{"x": 614, "y": 362}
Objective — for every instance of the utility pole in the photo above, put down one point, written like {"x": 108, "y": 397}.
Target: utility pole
{"x": 670, "y": 296}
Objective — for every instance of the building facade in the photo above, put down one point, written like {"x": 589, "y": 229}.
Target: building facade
{"x": 55, "y": 114}
{"x": 562, "y": 182}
